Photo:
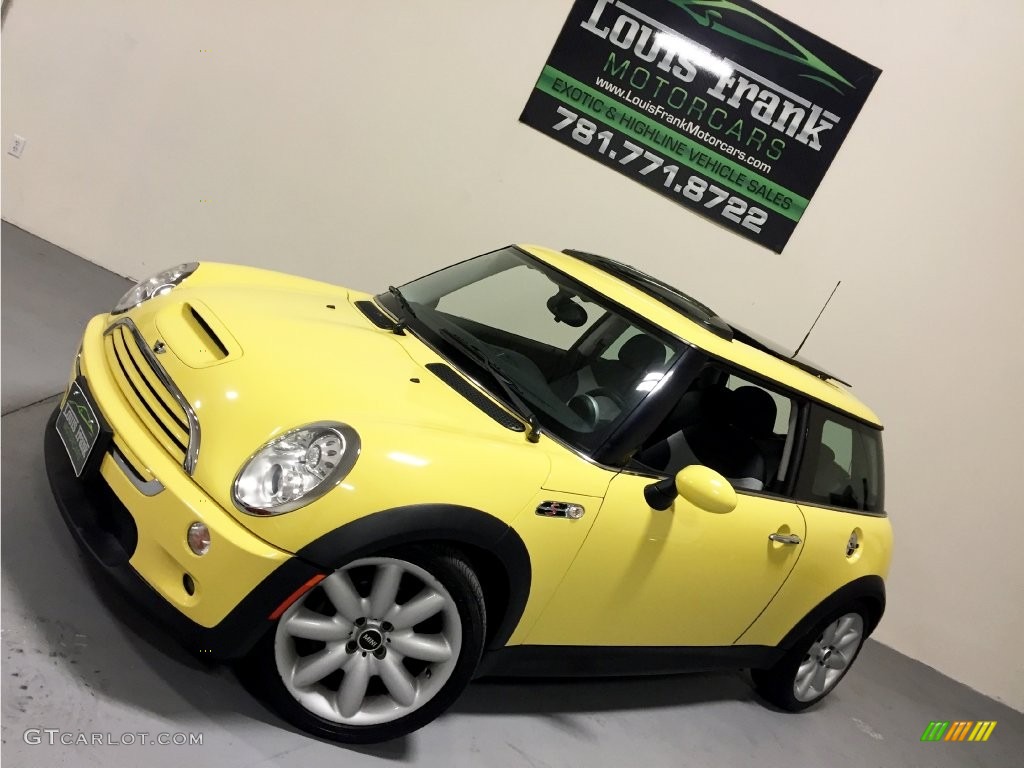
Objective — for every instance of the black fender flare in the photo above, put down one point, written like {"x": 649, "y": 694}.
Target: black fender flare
{"x": 425, "y": 523}
{"x": 870, "y": 589}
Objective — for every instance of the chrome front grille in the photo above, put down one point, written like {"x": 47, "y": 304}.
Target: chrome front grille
{"x": 151, "y": 393}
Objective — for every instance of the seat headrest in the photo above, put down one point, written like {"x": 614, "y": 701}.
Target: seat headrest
{"x": 717, "y": 405}
{"x": 754, "y": 411}
{"x": 642, "y": 352}
{"x": 826, "y": 455}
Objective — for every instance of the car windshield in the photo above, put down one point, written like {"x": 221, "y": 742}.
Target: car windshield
{"x": 554, "y": 350}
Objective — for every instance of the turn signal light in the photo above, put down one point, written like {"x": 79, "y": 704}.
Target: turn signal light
{"x": 198, "y": 538}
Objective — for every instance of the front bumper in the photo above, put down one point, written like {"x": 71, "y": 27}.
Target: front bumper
{"x": 131, "y": 513}
{"x": 107, "y": 532}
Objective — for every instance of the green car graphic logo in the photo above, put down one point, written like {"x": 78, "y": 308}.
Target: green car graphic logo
{"x": 84, "y": 417}
{"x": 714, "y": 14}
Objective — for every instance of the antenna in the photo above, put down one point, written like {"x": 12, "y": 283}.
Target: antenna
{"x": 806, "y": 335}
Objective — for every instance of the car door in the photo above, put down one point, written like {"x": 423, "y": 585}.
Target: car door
{"x": 840, "y": 492}
{"x": 683, "y": 576}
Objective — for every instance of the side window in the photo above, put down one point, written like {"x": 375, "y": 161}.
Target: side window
{"x": 842, "y": 464}
{"x": 783, "y": 405}
{"x": 839, "y": 440}
{"x": 740, "y": 427}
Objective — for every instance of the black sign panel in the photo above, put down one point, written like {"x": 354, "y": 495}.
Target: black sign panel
{"x": 78, "y": 426}
{"x": 720, "y": 105}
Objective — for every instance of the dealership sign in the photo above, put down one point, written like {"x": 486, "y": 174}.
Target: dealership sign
{"x": 720, "y": 105}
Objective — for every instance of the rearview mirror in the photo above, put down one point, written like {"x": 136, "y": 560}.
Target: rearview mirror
{"x": 699, "y": 485}
{"x": 565, "y": 310}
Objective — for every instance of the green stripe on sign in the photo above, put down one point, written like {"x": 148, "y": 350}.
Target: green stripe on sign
{"x": 546, "y": 84}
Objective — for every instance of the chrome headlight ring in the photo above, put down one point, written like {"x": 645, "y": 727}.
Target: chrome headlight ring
{"x": 157, "y": 285}
{"x": 296, "y": 468}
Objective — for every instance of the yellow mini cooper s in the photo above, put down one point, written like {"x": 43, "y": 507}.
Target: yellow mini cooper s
{"x": 531, "y": 462}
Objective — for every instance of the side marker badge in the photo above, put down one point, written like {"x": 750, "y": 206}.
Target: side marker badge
{"x": 560, "y": 509}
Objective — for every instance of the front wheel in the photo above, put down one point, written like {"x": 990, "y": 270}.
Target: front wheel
{"x": 815, "y": 666}
{"x": 377, "y": 649}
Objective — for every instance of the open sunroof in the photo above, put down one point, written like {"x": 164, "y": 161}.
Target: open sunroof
{"x": 697, "y": 311}
{"x": 687, "y": 305}
{"x": 766, "y": 345}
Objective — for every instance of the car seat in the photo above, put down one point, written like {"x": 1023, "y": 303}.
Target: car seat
{"x": 637, "y": 357}
{"x": 754, "y": 412}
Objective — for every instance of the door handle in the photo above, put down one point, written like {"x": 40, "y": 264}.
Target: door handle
{"x": 784, "y": 538}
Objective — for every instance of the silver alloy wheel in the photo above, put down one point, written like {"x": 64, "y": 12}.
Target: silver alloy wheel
{"x": 369, "y": 637}
{"x": 829, "y": 657}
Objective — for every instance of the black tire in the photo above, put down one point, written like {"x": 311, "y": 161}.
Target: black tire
{"x": 259, "y": 671}
{"x": 777, "y": 684}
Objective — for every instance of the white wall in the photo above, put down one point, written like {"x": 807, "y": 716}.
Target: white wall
{"x": 370, "y": 142}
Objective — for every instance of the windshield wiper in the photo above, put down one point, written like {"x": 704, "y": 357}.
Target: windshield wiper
{"x": 512, "y": 390}
{"x": 400, "y": 326}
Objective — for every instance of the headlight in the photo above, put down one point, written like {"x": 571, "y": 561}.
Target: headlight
{"x": 295, "y": 468}
{"x": 157, "y": 285}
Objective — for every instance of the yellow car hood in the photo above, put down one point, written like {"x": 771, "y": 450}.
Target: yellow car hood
{"x": 258, "y": 353}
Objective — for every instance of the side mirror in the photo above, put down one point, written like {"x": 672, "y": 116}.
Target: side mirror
{"x": 699, "y": 485}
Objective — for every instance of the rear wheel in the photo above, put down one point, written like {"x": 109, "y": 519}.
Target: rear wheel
{"x": 378, "y": 649}
{"x": 815, "y": 666}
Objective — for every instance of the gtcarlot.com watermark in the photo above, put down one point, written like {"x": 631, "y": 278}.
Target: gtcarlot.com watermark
{"x": 53, "y": 736}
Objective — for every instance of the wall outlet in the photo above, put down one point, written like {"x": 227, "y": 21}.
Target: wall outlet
{"x": 17, "y": 145}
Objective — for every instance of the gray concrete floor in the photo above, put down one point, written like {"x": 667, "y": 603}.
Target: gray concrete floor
{"x": 75, "y": 657}
{"x": 47, "y": 296}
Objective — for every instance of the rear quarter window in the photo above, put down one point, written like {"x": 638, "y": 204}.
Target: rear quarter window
{"x": 842, "y": 463}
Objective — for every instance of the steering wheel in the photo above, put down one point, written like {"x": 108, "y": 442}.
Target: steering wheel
{"x": 586, "y": 406}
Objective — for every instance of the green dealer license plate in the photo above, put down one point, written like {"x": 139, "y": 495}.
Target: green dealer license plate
{"x": 78, "y": 427}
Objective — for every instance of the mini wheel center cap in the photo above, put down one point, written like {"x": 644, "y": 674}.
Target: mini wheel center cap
{"x": 370, "y": 640}
{"x": 825, "y": 655}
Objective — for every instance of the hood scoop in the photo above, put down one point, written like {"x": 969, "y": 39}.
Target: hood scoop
{"x": 195, "y": 335}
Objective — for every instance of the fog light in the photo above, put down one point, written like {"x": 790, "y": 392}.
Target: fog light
{"x": 198, "y": 538}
